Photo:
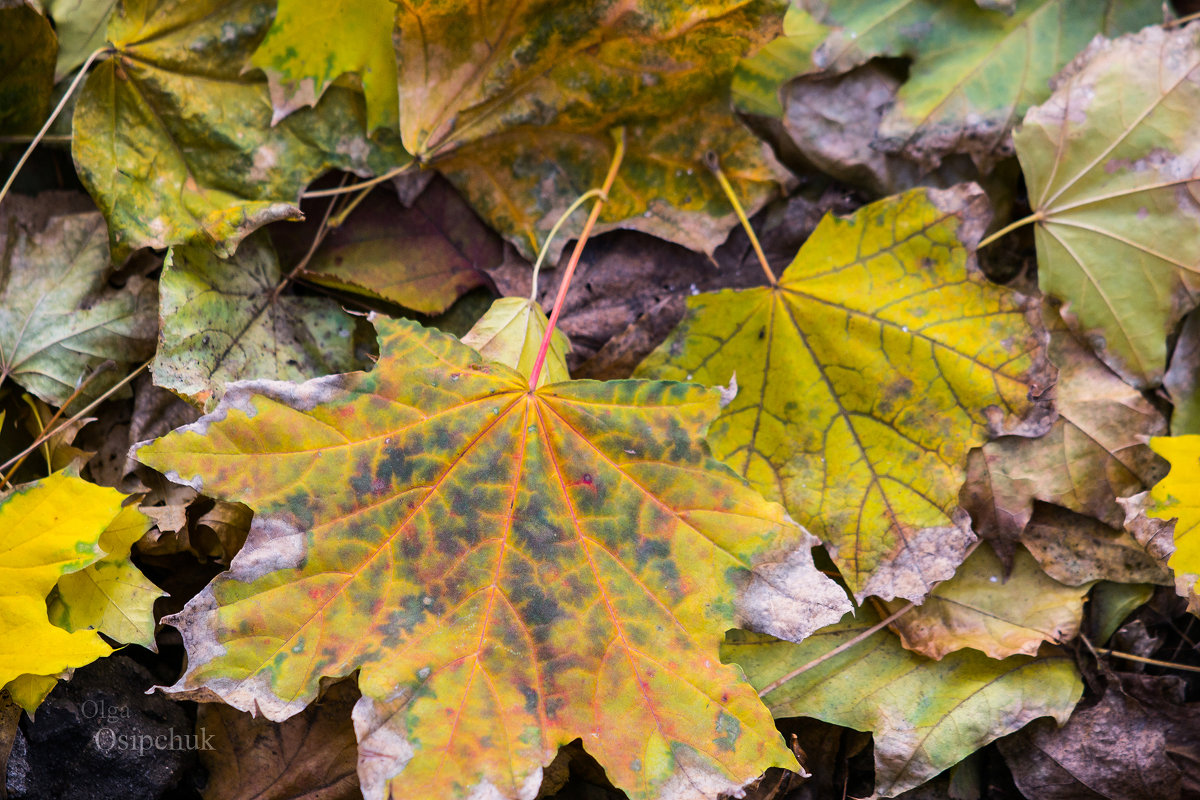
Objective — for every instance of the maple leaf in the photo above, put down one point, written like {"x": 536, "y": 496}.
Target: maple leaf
{"x": 513, "y": 102}
{"x": 759, "y": 78}
{"x": 924, "y": 715}
{"x": 998, "y": 612}
{"x": 59, "y": 317}
{"x": 223, "y": 320}
{"x": 1108, "y": 160}
{"x": 865, "y": 376}
{"x": 974, "y": 72}
{"x": 422, "y": 256}
{"x": 48, "y": 529}
{"x": 1094, "y": 452}
{"x": 112, "y": 595}
{"x": 310, "y": 45}
{"x": 176, "y": 144}
{"x": 507, "y": 569}
{"x": 1074, "y": 550}
{"x": 27, "y": 51}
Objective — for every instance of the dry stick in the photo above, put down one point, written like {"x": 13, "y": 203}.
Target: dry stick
{"x": 1036, "y": 216}
{"x": 6, "y": 480}
{"x": 618, "y": 155}
{"x": 711, "y": 161}
{"x": 387, "y": 176}
{"x": 76, "y": 417}
{"x": 322, "y": 232}
{"x": 868, "y": 633}
{"x": 53, "y": 116}
{"x": 1144, "y": 660}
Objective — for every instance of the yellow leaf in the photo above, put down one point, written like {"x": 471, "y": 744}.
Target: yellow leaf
{"x": 867, "y": 373}
{"x": 1178, "y": 495}
{"x": 48, "y": 529}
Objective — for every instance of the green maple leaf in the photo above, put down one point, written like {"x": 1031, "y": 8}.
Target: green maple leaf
{"x": 974, "y": 71}
{"x": 924, "y": 715}
{"x": 508, "y": 570}
{"x": 1109, "y": 160}
{"x": 866, "y": 374}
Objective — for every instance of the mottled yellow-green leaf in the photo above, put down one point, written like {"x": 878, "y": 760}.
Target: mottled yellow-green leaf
{"x": 974, "y": 72}
{"x": 1178, "y": 496}
{"x": 81, "y": 26}
{"x": 310, "y": 45}
{"x": 225, "y": 320}
{"x": 1108, "y": 160}
{"x": 511, "y": 333}
{"x": 27, "y": 50}
{"x": 174, "y": 140}
{"x": 880, "y": 358}
{"x": 924, "y": 715}
{"x": 48, "y": 529}
{"x": 60, "y": 318}
{"x": 111, "y": 596}
{"x": 760, "y": 77}
{"x": 996, "y": 611}
{"x": 507, "y": 570}
{"x": 514, "y": 102}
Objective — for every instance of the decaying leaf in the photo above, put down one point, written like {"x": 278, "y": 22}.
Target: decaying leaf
{"x": 514, "y": 104}
{"x": 225, "y": 320}
{"x": 1094, "y": 453}
{"x": 175, "y": 142}
{"x": 507, "y": 569}
{"x": 974, "y": 72}
{"x": 1074, "y": 549}
{"x": 311, "y": 756}
{"x": 865, "y": 375}
{"x": 511, "y": 333}
{"x": 1109, "y": 160}
{"x": 1182, "y": 378}
{"x": 999, "y": 612}
{"x": 423, "y": 256}
{"x": 310, "y": 45}
{"x": 59, "y": 317}
{"x": 924, "y": 715}
{"x": 1157, "y": 536}
{"x": 48, "y": 529}
{"x": 1138, "y": 742}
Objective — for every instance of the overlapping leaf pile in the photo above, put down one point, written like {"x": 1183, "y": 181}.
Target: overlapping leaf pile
{"x": 505, "y": 559}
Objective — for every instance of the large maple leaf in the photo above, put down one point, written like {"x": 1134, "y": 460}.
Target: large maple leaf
{"x": 508, "y": 570}
{"x": 866, "y": 373}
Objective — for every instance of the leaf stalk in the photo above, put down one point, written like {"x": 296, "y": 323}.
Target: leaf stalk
{"x": 1036, "y": 216}
{"x": 712, "y": 162}
{"x": 618, "y": 156}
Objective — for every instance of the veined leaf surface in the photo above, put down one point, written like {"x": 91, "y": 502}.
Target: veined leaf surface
{"x": 865, "y": 376}
{"x": 1110, "y": 161}
{"x": 506, "y": 569}
{"x": 175, "y": 143}
{"x": 924, "y": 715}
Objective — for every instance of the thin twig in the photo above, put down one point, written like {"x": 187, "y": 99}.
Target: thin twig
{"x": 76, "y": 417}
{"x": 387, "y": 176}
{"x": 714, "y": 164}
{"x": 618, "y": 155}
{"x": 868, "y": 633}
{"x": 53, "y": 116}
{"x": 1143, "y": 660}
